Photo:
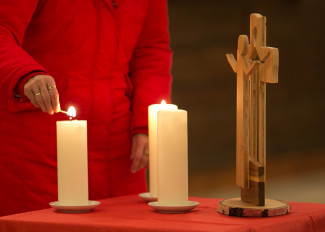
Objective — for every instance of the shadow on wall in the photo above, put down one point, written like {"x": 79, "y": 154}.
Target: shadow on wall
{"x": 202, "y": 32}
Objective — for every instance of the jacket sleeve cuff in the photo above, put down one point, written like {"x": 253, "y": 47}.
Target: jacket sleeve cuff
{"x": 142, "y": 130}
{"x": 19, "y": 89}
{"x": 16, "y": 104}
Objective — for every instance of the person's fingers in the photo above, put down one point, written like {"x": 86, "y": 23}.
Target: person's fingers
{"x": 34, "y": 85}
{"x": 146, "y": 148}
{"x": 54, "y": 96}
{"x": 46, "y": 98}
{"x": 144, "y": 158}
{"x": 29, "y": 93}
{"x": 59, "y": 107}
{"x": 53, "y": 93}
{"x": 38, "y": 96}
{"x": 144, "y": 161}
{"x": 41, "y": 91}
{"x": 136, "y": 158}
{"x": 139, "y": 152}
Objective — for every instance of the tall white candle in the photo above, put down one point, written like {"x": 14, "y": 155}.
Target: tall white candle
{"x": 172, "y": 158}
{"x": 72, "y": 162}
{"x": 153, "y": 109}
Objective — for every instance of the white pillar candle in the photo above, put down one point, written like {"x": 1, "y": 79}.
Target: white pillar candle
{"x": 153, "y": 109}
{"x": 172, "y": 158}
{"x": 72, "y": 162}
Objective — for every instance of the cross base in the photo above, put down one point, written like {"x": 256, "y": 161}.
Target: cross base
{"x": 237, "y": 207}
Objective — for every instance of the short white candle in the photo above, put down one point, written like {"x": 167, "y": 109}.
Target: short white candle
{"x": 72, "y": 162}
{"x": 152, "y": 111}
{"x": 172, "y": 158}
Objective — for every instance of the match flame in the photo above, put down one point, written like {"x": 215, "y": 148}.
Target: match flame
{"x": 163, "y": 102}
{"x": 72, "y": 112}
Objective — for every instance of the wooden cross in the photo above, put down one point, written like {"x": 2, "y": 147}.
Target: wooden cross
{"x": 256, "y": 65}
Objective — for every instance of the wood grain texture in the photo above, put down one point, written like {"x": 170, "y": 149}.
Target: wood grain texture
{"x": 256, "y": 65}
{"x": 255, "y": 194}
{"x": 236, "y": 207}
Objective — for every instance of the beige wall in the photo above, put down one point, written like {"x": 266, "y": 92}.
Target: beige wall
{"x": 202, "y": 32}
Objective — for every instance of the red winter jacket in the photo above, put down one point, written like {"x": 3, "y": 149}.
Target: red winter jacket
{"x": 110, "y": 59}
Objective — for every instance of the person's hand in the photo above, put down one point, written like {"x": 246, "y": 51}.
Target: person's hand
{"x": 42, "y": 92}
{"x": 140, "y": 152}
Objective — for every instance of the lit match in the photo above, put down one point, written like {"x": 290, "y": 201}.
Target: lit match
{"x": 71, "y": 112}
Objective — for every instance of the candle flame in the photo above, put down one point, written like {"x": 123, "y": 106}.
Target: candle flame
{"x": 72, "y": 112}
{"x": 163, "y": 102}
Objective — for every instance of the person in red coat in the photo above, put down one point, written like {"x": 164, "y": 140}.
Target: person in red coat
{"x": 108, "y": 58}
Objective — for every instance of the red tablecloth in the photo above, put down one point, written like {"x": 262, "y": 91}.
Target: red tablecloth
{"x": 130, "y": 213}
